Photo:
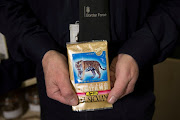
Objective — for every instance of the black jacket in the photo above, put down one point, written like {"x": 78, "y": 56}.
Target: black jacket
{"x": 145, "y": 29}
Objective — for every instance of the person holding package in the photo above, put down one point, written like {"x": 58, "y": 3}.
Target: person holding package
{"x": 143, "y": 33}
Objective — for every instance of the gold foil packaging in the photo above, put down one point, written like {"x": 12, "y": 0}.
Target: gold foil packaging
{"x": 89, "y": 74}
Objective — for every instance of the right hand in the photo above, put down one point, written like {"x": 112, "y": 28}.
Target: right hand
{"x": 58, "y": 85}
{"x": 124, "y": 73}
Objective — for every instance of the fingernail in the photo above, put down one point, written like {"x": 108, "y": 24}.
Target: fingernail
{"x": 73, "y": 102}
{"x": 112, "y": 100}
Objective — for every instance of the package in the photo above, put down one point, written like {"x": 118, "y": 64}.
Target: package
{"x": 89, "y": 74}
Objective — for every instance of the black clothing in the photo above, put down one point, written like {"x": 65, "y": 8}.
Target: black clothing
{"x": 136, "y": 106}
{"x": 145, "y": 29}
{"x": 13, "y": 73}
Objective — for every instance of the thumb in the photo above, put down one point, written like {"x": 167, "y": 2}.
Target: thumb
{"x": 118, "y": 90}
{"x": 68, "y": 95}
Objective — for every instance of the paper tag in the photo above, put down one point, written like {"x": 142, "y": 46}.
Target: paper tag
{"x": 3, "y": 48}
{"x": 74, "y": 31}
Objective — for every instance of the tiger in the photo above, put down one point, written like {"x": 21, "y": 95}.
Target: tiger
{"x": 85, "y": 66}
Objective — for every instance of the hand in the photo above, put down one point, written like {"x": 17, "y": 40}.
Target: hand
{"x": 58, "y": 85}
{"x": 124, "y": 73}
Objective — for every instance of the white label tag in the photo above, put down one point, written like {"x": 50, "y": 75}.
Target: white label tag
{"x": 74, "y": 31}
{"x": 3, "y": 48}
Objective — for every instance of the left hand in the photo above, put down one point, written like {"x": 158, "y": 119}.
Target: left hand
{"x": 124, "y": 73}
{"x": 57, "y": 81}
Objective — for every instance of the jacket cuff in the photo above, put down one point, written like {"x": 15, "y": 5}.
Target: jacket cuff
{"x": 142, "y": 46}
{"x": 35, "y": 46}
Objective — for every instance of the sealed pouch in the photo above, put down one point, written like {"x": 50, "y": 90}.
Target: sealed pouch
{"x": 89, "y": 74}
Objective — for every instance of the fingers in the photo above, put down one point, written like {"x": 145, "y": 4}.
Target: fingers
{"x": 130, "y": 88}
{"x": 119, "y": 88}
{"x": 67, "y": 93}
{"x": 58, "y": 85}
{"x": 125, "y": 76}
{"x": 112, "y": 78}
{"x": 62, "y": 91}
{"x": 112, "y": 71}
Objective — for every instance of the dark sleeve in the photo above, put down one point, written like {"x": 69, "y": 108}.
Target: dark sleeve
{"x": 155, "y": 40}
{"x": 2, "y": 18}
{"x": 26, "y": 38}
